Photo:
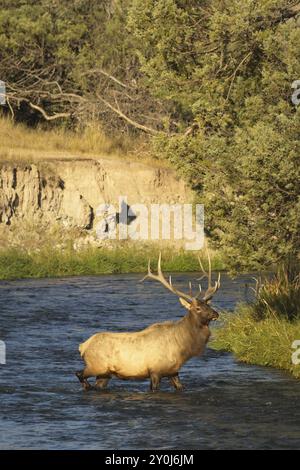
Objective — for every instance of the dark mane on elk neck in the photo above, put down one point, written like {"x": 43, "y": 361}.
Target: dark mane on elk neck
{"x": 159, "y": 350}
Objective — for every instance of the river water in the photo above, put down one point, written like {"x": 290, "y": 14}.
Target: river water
{"x": 226, "y": 405}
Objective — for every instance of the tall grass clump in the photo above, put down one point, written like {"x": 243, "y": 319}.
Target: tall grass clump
{"x": 279, "y": 297}
{"x": 263, "y": 332}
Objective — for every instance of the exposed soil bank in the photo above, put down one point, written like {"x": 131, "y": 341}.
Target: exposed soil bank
{"x": 68, "y": 192}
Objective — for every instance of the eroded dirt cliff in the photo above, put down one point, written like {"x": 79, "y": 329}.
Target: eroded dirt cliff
{"x": 68, "y": 192}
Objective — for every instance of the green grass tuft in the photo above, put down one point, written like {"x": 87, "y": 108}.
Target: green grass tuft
{"x": 266, "y": 343}
{"x": 263, "y": 332}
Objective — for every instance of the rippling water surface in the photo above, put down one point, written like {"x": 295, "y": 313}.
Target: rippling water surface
{"x": 226, "y": 404}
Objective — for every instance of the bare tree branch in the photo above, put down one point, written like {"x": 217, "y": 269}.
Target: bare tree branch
{"x": 111, "y": 77}
{"x": 191, "y": 129}
{"x": 135, "y": 124}
{"x": 232, "y": 77}
{"x": 10, "y": 108}
{"x": 45, "y": 115}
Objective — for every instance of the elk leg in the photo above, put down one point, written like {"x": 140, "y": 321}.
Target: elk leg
{"x": 101, "y": 382}
{"x": 176, "y": 382}
{"x": 154, "y": 382}
{"x": 82, "y": 376}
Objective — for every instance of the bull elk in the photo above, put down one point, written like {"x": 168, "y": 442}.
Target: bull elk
{"x": 160, "y": 349}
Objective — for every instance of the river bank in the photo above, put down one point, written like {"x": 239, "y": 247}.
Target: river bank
{"x": 268, "y": 342}
{"x": 53, "y": 262}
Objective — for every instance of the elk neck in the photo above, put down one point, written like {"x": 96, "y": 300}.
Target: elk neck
{"x": 191, "y": 335}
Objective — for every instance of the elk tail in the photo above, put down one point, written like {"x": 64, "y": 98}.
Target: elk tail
{"x": 83, "y": 346}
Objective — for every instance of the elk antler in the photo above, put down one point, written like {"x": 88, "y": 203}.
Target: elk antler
{"x": 160, "y": 277}
{"x": 211, "y": 290}
{"x": 209, "y": 293}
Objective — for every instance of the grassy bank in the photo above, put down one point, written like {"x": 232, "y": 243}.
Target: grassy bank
{"x": 49, "y": 262}
{"x": 265, "y": 343}
{"x": 263, "y": 332}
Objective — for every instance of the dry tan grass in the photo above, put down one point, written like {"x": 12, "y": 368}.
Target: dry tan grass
{"x": 19, "y": 143}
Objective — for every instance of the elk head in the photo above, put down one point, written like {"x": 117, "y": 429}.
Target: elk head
{"x": 198, "y": 305}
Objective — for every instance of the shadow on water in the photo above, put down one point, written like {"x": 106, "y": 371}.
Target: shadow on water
{"x": 225, "y": 404}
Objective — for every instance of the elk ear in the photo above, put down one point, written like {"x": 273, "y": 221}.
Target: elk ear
{"x": 184, "y": 303}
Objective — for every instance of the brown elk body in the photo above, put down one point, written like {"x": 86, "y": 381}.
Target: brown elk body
{"x": 155, "y": 352}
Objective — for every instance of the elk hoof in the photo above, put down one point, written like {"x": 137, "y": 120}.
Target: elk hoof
{"x": 86, "y": 386}
{"x": 83, "y": 381}
{"x": 180, "y": 388}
